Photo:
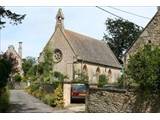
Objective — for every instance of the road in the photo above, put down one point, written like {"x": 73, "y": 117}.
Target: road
{"x": 22, "y": 102}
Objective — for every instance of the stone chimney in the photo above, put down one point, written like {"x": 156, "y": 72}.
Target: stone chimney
{"x": 158, "y": 8}
{"x": 20, "y": 49}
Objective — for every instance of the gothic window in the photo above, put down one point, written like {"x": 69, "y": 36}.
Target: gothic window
{"x": 110, "y": 74}
{"x": 57, "y": 55}
{"x": 105, "y": 71}
{"x": 97, "y": 73}
{"x": 98, "y": 70}
{"x": 85, "y": 68}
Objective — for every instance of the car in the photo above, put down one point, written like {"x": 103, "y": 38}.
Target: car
{"x": 110, "y": 86}
{"x": 78, "y": 92}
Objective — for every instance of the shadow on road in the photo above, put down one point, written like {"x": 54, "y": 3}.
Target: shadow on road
{"x": 17, "y": 108}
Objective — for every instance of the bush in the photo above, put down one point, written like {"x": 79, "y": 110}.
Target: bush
{"x": 82, "y": 77}
{"x": 102, "y": 80}
{"x": 5, "y": 70}
{"x": 49, "y": 99}
{"x": 144, "y": 68}
{"x": 121, "y": 81}
{"x": 59, "y": 76}
{"x": 53, "y": 99}
{"x": 33, "y": 87}
{"x": 39, "y": 94}
{"x": 58, "y": 94}
{"x": 17, "y": 78}
{"x": 4, "y": 99}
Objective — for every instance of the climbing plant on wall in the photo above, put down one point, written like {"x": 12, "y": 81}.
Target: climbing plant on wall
{"x": 45, "y": 68}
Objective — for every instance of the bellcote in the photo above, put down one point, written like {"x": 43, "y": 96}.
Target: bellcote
{"x": 59, "y": 19}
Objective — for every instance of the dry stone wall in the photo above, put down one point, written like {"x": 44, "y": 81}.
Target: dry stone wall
{"x": 121, "y": 101}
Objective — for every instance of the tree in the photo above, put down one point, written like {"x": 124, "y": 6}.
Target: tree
{"x": 27, "y": 64}
{"x": 103, "y": 80}
{"x": 17, "y": 78}
{"x": 5, "y": 70}
{"x": 32, "y": 73}
{"x": 144, "y": 68}
{"x": 7, "y": 67}
{"x": 45, "y": 68}
{"x": 120, "y": 35}
{"x": 13, "y": 17}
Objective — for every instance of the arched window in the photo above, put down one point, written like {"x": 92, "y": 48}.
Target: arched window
{"x": 98, "y": 70}
{"x": 84, "y": 75}
{"x": 105, "y": 71}
{"x": 85, "y": 69}
{"x": 109, "y": 72}
{"x": 110, "y": 75}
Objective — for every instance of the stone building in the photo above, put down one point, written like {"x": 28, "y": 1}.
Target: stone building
{"x": 17, "y": 56}
{"x": 74, "y": 52}
{"x": 150, "y": 34}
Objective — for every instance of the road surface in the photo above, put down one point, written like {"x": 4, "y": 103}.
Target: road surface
{"x": 22, "y": 102}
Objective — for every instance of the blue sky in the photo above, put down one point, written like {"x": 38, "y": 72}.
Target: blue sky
{"x": 39, "y": 24}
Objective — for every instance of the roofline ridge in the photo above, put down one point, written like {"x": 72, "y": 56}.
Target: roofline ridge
{"x": 84, "y": 35}
{"x": 63, "y": 32}
{"x": 140, "y": 34}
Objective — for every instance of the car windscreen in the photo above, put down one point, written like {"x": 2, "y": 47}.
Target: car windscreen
{"x": 79, "y": 88}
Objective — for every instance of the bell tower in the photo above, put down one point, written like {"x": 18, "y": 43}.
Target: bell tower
{"x": 59, "y": 19}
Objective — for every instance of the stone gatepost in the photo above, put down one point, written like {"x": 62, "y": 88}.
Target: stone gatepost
{"x": 67, "y": 93}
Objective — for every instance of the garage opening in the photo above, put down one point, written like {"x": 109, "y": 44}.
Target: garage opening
{"x": 78, "y": 93}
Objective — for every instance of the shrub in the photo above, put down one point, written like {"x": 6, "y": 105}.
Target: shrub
{"x": 59, "y": 76}
{"x": 102, "y": 80}
{"x": 34, "y": 87}
{"x": 49, "y": 99}
{"x": 5, "y": 70}
{"x": 17, "y": 78}
{"x": 82, "y": 77}
{"x": 52, "y": 99}
{"x": 144, "y": 68}
{"x": 58, "y": 94}
{"x": 4, "y": 99}
{"x": 121, "y": 81}
{"x": 38, "y": 94}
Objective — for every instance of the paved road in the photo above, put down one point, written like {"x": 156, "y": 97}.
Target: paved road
{"x": 21, "y": 102}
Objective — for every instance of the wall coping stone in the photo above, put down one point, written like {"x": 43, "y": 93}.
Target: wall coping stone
{"x": 119, "y": 90}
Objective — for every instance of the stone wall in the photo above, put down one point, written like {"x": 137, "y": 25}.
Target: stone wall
{"x": 118, "y": 100}
{"x": 151, "y": 34}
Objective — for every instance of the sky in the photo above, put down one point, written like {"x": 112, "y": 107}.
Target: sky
{"x": 39, "y": 23}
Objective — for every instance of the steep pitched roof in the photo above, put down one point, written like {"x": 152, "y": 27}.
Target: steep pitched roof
{"x": 156, "y": 14}
{"x": 91, "y": 50}
{"x": 12, "y": 50}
